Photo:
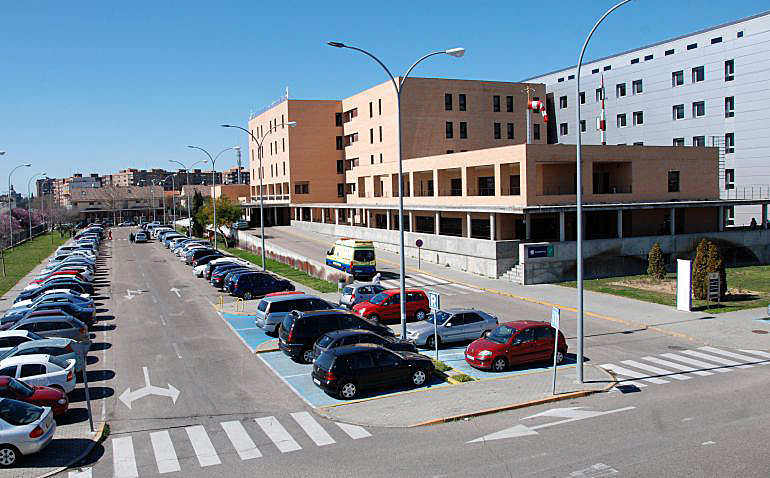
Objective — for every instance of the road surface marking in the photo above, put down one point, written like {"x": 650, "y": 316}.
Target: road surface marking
{"x": 683, "y": 368}
{"x": 278, "y": 434}
{"x": 697, "y": 363}
{"x": 599, "y": 469}
{"x": 757, "y": 352}
{"x": 201, "y": 443}
{"x": 241, "y": 440}
{"x": 712, "y": 358}
{"x": 655, "y": 370}
{"x": 123, "y": 459}
{"x": 354, "y": 431}
{"x": 632, "y": 374}
{"x": 165, "y": 456}
{"x": 745, "y": 358}
{"x": 313, "y": 429}
{"x": 176, "y": 349}
{"x": 420, "y": 282}
{"x": 82, "y": 473}
{"x": 463, "y": 287}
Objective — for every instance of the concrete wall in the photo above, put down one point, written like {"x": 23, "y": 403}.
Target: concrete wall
{"x": 478, "y": 256}
{"x": 616, "y": 257}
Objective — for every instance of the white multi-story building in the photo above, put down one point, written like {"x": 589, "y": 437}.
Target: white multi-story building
{"x": 708, "y": 88}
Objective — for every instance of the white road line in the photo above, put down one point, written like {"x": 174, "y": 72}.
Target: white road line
{"x": 354, "y": 431}
{"x": 443, "y": 290}
{"x": 277, "y": 434}
{"x": 428, "y": 278}
{"x": 676, "y": 366}
{"x": 745, "y": 358}
{"x": 711, "y": 367}
{"x": 123, "y": 459}
{"x": 83, "y": 473}
{"x": 313, "y": 429}
{"x": 463, "y": 287}
{"x": 201, "y": 443}
{"x": 712, "y": 358}
{"x": 165, "y": 456}
{"x": 655, "y": 370}
{"x": 757, "y": 352}
{"x": 176, "y": 349}
{"x": 241, "y": 440}
{"x": 631, "y": 373}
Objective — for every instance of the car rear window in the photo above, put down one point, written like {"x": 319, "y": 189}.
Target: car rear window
{"x": 347, "y": 290}
{"x": 325, "y": 361}
{"x": 287, "y": 322}
{"x": 19, "y": 413}
{"x": 363, "y": 256}
{"x": 262, "y": 305}
{"x": 58, "y": 362}
{"x": 324, "y": 341}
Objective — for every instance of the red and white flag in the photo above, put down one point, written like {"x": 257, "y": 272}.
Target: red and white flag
{"x": 538, "y": 106}
{"x": 603, "y": 119}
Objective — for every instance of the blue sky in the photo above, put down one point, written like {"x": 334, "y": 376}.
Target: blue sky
{"x": 97, "y": 86}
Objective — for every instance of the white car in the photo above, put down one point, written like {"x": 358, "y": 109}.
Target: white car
{"x": 24, "y": 429}
{"x": 198, "y": 271}
{"x": 83, "y": 271}
{"x": 41, "y": 369}
{"x": 11, "y": 338}
{"x": 187, "y": 249}
{"x": 158, "y": 230}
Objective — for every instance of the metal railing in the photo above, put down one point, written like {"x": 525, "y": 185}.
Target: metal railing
{"x": 751, "y": 191}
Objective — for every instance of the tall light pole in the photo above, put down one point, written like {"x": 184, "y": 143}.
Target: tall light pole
{"x": 213, "y": 182}
{"x": 187, "y": 170}
{"x": 579, "y": 193}
{"x": 261, "y": 195}
{"x": 173, "y": 198}
{"x": 152, "y": 198}
{"x": 29, "y": 201}
{"x": 10, "y": 224}
{"x": 398, "y": 84}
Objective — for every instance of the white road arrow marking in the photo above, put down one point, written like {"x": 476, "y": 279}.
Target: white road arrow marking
{"x": 175, "y": 291}
{"x": 570, "y": 414}
{"x": 130, "y": 294}
{"x": 128, "y": 396}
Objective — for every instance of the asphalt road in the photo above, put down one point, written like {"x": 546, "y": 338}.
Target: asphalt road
{"x": 233, "y": 417}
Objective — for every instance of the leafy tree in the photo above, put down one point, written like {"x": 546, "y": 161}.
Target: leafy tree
{"x": 656, "y": 266}
{"x": 715, "y": 263}
{"x": 699, "y": 270}
{"x": 227, "y": 213}
{"x": 197, "y": 203}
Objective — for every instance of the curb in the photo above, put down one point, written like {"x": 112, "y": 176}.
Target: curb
{"x": 262, "y": 351}
{"x": 96, "y": 439}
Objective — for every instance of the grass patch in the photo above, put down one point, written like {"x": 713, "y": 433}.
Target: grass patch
{"x": 463, "y": 377}
{"x": 20, "y": 260}
{"x": 748, "y": 288}
{"x": 284, "y": 270}
{"x": 441, "y": 366}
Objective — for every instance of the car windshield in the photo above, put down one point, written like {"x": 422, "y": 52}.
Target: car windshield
{"x": 20, "y": 387}
{"x": 379, "y": 298}
{"x": 9, "y": 353}
{"x": 19, "y": 413}
{"x": 363, "y": 256}
{"x": 324, "y": 341}
{"x": 442, "y": 317}
{"x": 501, "y": 334}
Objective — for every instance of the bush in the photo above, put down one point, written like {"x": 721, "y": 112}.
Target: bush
{"x": 656, "y": 266}
{"x": 463, "y": 377}
{"x": 715, "y": 263}
{"x": 699, "y": 274}
{"x": 441, "y": 366}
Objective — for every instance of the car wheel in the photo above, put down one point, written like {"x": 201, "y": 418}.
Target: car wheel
{"x": 431, "y": 342}
{"x": 348, "y": 390}
{"x": 420, "y": 315}
{"x": 307, "y": 356}
{"x": 247, "y": 295}
{"x": 499, "y": 364}
{"x": 8, "y": 455}
{"x": 374, "y": 317}
{"x": 559, "y": 357}
{"x": 419, "y": 377}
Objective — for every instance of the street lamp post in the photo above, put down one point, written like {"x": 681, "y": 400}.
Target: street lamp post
{"x": 213, "y": 183}
{"x": 173, "y": 199}
{"x": 399, "y": 85}
{"x": 10, "y": 223}
{"x": 261, "y": 195}
{"x": 29, "y": 201}
{"x": 187, "y": 171}
{"x": 579, "y": 193}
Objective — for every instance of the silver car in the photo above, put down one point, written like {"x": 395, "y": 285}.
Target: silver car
{"x": 453, "y": 325}
{"x": 272, "y": 310}
{"x": 51, "y": 326}
{"x": 354, "y": 293}
{"x": 24, "y": 429}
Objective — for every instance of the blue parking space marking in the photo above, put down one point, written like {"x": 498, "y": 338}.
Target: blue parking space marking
{"x": 245, "y": 327}
{"x": 240, "y": 321}
{"x": 297, "y": 376}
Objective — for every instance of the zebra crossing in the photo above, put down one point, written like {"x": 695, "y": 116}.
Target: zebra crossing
{"x": 166, "y": 446}
{"x": 684, "y": 365}
{"x": 428, "y": 282}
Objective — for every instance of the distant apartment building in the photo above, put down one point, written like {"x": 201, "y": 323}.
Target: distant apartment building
{"x": 707, "y": 88}
{"x": 235, "y": 175}
{"x": 119, "y": 203}
{"x": 168, "y": 179}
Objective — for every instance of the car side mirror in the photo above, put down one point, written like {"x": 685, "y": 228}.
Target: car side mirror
{"x": 447, "y": 325}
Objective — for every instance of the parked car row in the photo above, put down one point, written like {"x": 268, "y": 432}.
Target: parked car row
{"x": 43, "y": 341}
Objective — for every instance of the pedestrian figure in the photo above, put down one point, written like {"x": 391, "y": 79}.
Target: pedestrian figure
{"x": 753, "y": 224}
{"x": 109, "y": 234}
{"x": 376, "y": 279}
{"x": 131, "y": 237}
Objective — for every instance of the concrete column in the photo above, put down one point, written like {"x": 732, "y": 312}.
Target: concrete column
{"x": 620, "y": 224}
{"x": 562, "y": 229}
{"x": 435, "y": 182}
{"x": 387, "y": 219}
{"x": 438, "y": 220}
{"x": 764, "y": 216}
{"x": 275, "y": 216}
{"x": 311, "y": 214}
{"x": 468, "y": 224}
{"x": 498, "y": 180}
{"x": 492, "y": 226}
{"x": 464, "y": 180}
{"x": 411, "y": 221}
{"x": 721, "y": 219}
{"x": 528, "y": 226}
{"x": 411, "y": 184}
{"x": 673, "y": 221}
{"x": 337, "y": 216}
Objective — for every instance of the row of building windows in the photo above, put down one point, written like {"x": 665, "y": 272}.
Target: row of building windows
{"x": 700, "y": 141}
{"x": 462, "y": 104}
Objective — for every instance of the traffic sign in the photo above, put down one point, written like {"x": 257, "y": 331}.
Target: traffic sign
{"x": 418, "y": 243}
{"x": 434, "y": 299}
{"x": 555, "y": 313}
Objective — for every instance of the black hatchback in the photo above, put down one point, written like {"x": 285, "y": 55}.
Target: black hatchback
{"x": 345, "y": 371}
{"x": 339, "y": 338}
{"x": 300, "y": 330}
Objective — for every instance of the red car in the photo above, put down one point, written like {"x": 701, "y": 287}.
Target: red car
{"x": 386, "y": 305}
{"x": 284, "y": 292}
{"x": 514, "y": 343}
{"x": 40, "y": 396}
{"x": 68, "y": 273}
